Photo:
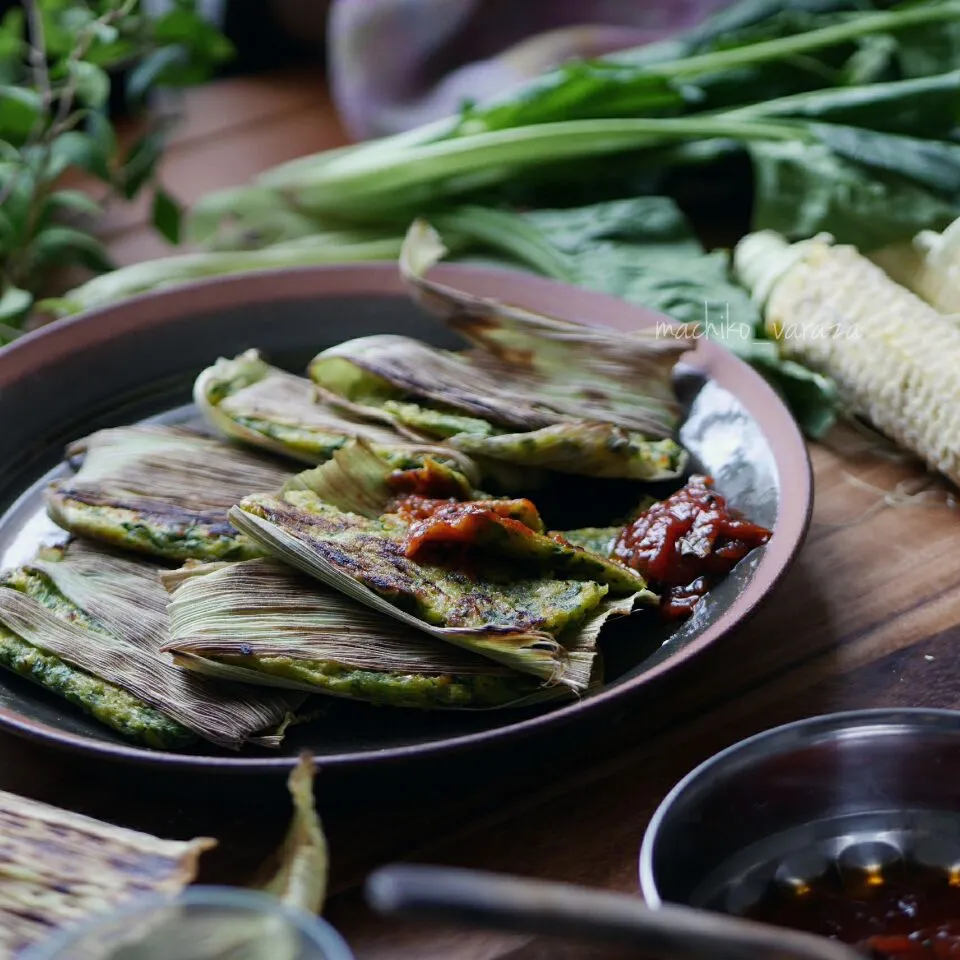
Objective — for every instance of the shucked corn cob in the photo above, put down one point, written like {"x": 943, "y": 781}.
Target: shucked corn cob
{"x": 929, "y": 266}
{"x": 895, "y": 359}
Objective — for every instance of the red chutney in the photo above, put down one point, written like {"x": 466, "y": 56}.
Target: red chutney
{"x": 686, "y": 543}
{"x": 457, "y": 525}
{"x": 430, "y": 480}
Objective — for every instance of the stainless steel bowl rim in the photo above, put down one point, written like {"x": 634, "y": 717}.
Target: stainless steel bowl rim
{"x": 782, "y": 739}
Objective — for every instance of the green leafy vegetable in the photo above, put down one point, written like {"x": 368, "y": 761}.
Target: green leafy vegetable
{"x": 816, "y": 115}
{"x": 56, "y": 58}
{"x": 166, "y": 215}
{"x": 802, "y": 189}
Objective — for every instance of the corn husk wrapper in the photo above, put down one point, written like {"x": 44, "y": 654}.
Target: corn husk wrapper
{"x": 359, "y": 480}
{"x": 526, "y": 370}
{"x": 62, "y": 868}
{"x": 248, "y": 400}
{"x": 263, "y": 612}
{"x": 125, "y": 598}
{"x": 283, "y": 527}
{"x": 59, "y": 867}
{"x": 161, "y": 490}
{"x": 302, "y": 874}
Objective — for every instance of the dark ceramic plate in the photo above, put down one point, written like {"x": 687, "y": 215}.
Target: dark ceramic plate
{"x": 138, "y": 361}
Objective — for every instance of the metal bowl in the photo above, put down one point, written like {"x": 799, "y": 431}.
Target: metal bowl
{"x": 784, "y": 806}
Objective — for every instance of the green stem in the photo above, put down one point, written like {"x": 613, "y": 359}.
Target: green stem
{"x": 336, "y": 187}
{"x": 172, "y": 271}
{"x": 794, "y": 104}
{"x": 783, "y": 47}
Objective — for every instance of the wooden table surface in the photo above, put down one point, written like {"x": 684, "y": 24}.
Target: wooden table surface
{"x": 867, "y": 617}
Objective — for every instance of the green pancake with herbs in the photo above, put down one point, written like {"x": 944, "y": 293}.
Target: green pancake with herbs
{"x": 521, "y": 598}
{"x": 260, "y": 621}
{"x": 163, "y": 491}
{"x": 88, "y": 625}
{"x": 248, "y": 400}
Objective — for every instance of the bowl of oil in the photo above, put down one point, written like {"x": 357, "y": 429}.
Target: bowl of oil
{"x": 846, "y": 825}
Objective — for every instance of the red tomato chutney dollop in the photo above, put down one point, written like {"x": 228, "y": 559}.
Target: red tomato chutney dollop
{"x": 460, "y": 524}
{"x": 683, "y": 545}
{"x": 428, "y": 480}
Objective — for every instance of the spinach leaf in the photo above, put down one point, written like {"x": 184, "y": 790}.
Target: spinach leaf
{"x": 744, "y": 22}
{"x": 801, "y": 189}
{"x": 646, "y": 220}
{"x": 929, "y": 49}
{"x": 643, "y": 250}
{"x": 813, "y": 399}
{"x": 621, "y": 84}
{"x": 926, "y": 106}
{"x": 581, "y": 90}
{"x": 934, "y": 164}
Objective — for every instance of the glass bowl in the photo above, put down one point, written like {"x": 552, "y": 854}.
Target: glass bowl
{"x": 202, "y": 923}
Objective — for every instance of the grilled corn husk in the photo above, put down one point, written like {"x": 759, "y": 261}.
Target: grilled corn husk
{"x": 163, "y": 491}
{"x": 263, "y": 622}
{"x": 88, "y": 625}
{"x": 60, "y": 867}
{"x": 895, "y": 359}
{"x": 248, "y": 400}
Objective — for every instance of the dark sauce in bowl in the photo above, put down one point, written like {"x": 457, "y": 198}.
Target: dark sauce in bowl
{"x": 890, "y": 907}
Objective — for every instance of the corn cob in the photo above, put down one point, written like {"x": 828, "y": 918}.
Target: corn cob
{"x": 929, "y": 266}
{"x": 895, "y": 359}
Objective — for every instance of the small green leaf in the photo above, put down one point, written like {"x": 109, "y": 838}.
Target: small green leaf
{"x": 104, "y": 32}
{"x": 92, "y": 83}
{"x": 100, "y": 130}
{"x": 14, "y": 303}
{"x": 9, "y": 334}
{"x": 61, "y": 246}
{"x": 151, "y": 70}
{"x": 76, "y": 149}
{"x": 188, "y": 28}
{"x": 167, "y": 215}
{"x": 74, "y": 200}
{"x": 112, "y": 54}
{"x": 77, "y": 17}
{"x": 19, "y": 182}
{"x": 141, "y": 161}
{"x": 58, "y": 37}
{"x": 20, "y": 109}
